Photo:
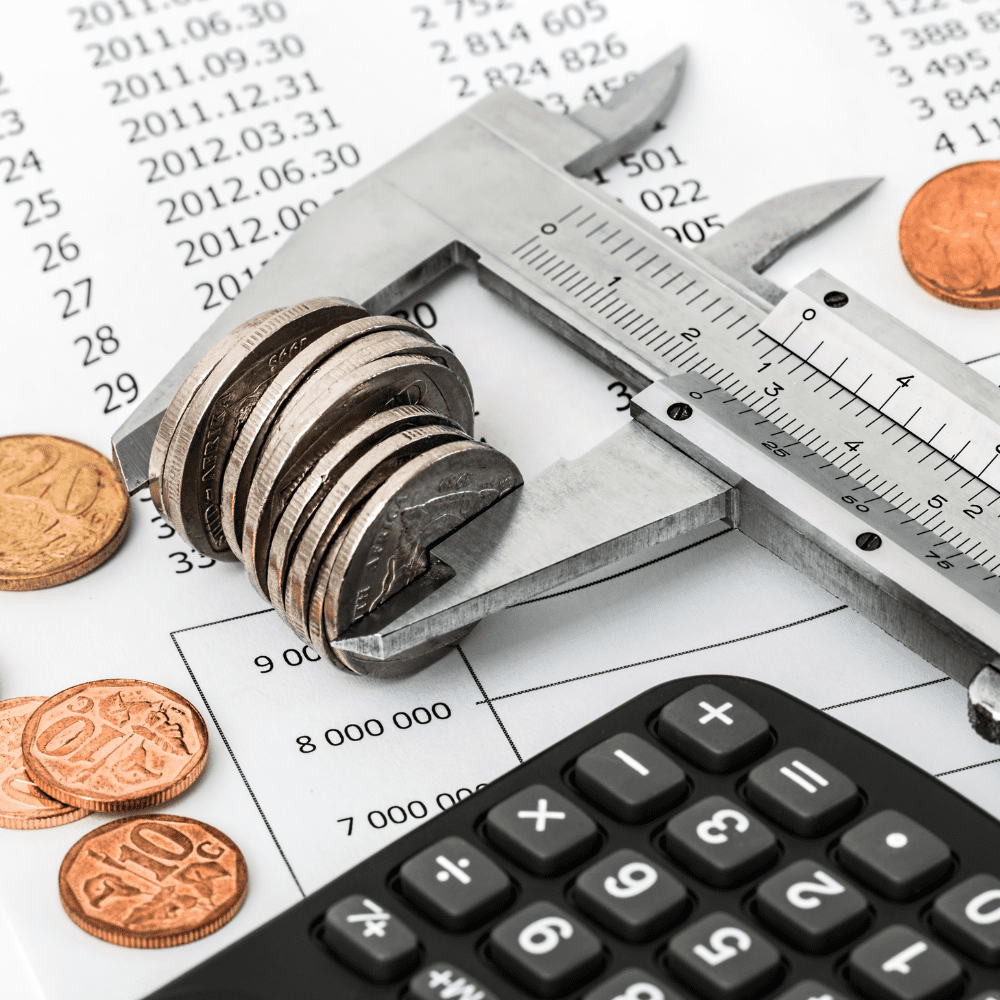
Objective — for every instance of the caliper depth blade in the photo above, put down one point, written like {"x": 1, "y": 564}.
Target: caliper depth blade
{"x": 751, "y": 243}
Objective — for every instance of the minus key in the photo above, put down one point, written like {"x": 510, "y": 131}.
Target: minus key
{"x": 630, "y": 778}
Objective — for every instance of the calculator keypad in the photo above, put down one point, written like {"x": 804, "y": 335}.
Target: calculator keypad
{"x": 801, "y": 791}
{"x": 720, "y": 842}
{"x": 811, "y": 906}
{"x": 664, "y": 853}
{"x": 900, "y": 964}
{"x": 894, "y": 855}
{"x": 631, "y": 895}
{"x": 546, "y": 949}
{"x": 455, "y": 883}
{"x": 630, "y": 778}
{"x": 714, "y": 729}
{"x": 722, "y": 957}
{"x": 541, "y": 830}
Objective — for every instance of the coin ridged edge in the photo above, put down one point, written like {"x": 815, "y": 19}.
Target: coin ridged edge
{"x": 43, "y": 822}
{"x": 285, "y": 438}
{"x": 181, "y": 399}
{"x": 340, "y": 503}
{"x": 179, "y": 466}
{"x": 310, "y": 493}
{"x": 27, "y": 821}
{"x": 243, "y": 458}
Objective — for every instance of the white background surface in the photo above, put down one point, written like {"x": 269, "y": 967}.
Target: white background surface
{"x": 778, "y": 94}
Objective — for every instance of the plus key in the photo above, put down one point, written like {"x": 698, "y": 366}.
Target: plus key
{"x": 715, "y": 730}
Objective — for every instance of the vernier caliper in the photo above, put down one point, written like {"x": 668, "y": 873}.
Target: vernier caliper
{"x": 813, "y": 421}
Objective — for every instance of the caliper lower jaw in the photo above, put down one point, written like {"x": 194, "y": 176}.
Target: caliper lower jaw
{"x": 630, "y": 492}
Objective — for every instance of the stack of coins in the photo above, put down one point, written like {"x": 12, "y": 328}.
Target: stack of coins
{"x": 328, "y": 450}
{"x": 149, "y": 881}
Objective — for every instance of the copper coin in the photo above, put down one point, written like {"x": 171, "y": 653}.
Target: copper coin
{"x": 153, "y": 881}
{"x": 23, "y": 805}
{"x": 114, "y": 745}
{"x": 64, "y": 510}
{"x": 950, "y": 235}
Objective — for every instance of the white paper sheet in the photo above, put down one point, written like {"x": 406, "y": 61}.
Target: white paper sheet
{"x": 778, "y": 94}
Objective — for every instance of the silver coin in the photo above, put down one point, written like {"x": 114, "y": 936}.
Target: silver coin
{"x": 334, "y": 401}
{"x": 243, "y": 459}
{"x": 310, "y": 493}
{"x": 422, "y": 655}
{"x": 385, "y": 546}
{"x": 214, "y": 402}
{"x": 195, "y": 378}
{"x": 351, "y": 488}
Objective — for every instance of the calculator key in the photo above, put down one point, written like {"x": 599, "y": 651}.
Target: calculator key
{"x": 630, "y": 778}
{"x": 811, "y": 907}
{"x": 442, "y": 981}
{"x": 712, "y": 728}
{"x": 631, "y": 895}
{"x": 968, "y": 915}
{"x": 801, "y": 791}
{"x": 719, "y": 842}
{"x": 370, "y": 939}
{"x": 895, "y": 856}
{"x": 545, "y": 949}
{"x": 721, "y": 957}
{"x": 899, "y": 964}
{"x": 811, "y": 990}
{"x": 632, "y": 984}
{"x": 541, "y": 830}
{"x": 455, "y": 883}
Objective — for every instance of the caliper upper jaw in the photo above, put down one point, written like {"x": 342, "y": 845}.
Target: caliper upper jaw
{"x": 630, "y": 114}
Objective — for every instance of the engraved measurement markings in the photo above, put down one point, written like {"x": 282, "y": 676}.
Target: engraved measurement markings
{"x": 842, "y": 488}
{"x": 582, "y": 289}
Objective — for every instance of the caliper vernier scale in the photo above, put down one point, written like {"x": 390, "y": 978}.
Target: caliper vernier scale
{"x": 825, "y": 429}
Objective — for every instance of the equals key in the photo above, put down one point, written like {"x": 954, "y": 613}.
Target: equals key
{"x": 630, "y": 778}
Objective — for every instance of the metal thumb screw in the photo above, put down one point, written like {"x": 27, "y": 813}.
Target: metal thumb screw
{"x": 984, "y": 704}
{"x": 679, "y": 411}
{"x": 868, "y": 541}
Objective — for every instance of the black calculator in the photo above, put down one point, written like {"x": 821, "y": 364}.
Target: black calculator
{"x": 712, "y": 839}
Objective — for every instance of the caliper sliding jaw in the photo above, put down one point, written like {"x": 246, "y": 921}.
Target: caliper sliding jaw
{"x": 447, "y": 201}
